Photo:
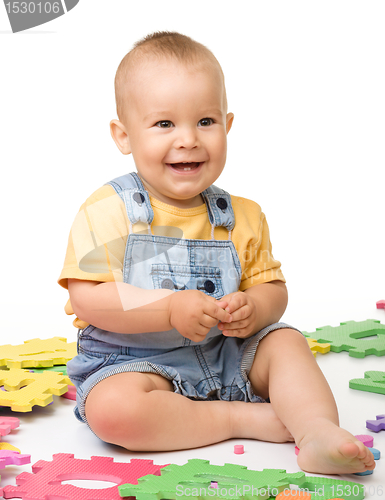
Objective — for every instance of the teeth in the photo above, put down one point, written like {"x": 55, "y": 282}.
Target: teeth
{"x": 187, "y": 168}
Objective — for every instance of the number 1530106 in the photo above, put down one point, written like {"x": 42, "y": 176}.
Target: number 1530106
{"x": 33, "y": 7}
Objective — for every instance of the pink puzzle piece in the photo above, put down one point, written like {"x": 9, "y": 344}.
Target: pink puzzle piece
{"x": 376, "y": 425}
{"x": 367, "y": 440}
{"x": 45, "y": 481}
{"x": 7, "y": 424}
{"x": 380, "y": 304}
{"x": 9, "y": 457}
{"x": 71, "y": 393}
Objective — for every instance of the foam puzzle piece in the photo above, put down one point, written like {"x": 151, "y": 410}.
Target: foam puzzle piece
{"x": 365, "y": 473}
{"x": 317, "y": 347}
{"x": 24, "y": 389}
{"x": 57, "y": 368}
{"x": 359, "y": 338}
{"x": 376, "y": 453}
{"x": 235, "y": 482}
{"x": 373, "y": 381}
{"x": 8, "y": 457}
{"x": 199, "y": 474}
{"x": 45, "y": 481}
{"x": 366, "y": 439}
{"x": 71, "y": 393}
{"x": 38, "y": 353}
{"x": 376, "y": 425}
{"x": 7, "y": 424}
{"x": 10, "y": 447}
{"x": 293, "y": 495}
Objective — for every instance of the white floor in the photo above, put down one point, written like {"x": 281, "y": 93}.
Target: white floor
{"x": 53, "y": 429}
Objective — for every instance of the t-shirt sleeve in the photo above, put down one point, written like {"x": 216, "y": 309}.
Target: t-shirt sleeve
{"x": 97, "y": 240}
{"x": 254, "y": 247}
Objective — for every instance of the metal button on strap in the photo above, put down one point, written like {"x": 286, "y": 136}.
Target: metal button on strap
{"x": 209, "y": 286}
{"x": 138, "y": 197}
{"x": 167, "y": 283}
{"x": 221, "y": 203}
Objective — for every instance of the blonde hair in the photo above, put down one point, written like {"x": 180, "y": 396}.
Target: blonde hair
{"x": 160, "y": 44}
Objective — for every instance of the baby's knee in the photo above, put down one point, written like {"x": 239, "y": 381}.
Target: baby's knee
{"x": 116, "y": 419}
{"x": 284, "y": 338}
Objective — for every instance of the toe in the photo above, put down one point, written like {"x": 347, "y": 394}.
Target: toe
{"x": 352, "y": 450}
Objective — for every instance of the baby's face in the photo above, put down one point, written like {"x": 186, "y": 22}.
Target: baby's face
{"x": 177, "y": 125}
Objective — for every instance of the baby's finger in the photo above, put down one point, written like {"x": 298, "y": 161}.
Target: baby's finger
{"x": 240, "y": 314}
{"x": 234, "y": 325}
{"x": 214, "y": 310}
{"x": 208, "y": 321}
{"x": 222, "y": 303}
{"x": 236, "y": 301}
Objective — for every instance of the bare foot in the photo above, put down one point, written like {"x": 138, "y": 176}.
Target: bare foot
{"x": 328, "y": 449}
{"x": 257, "y": 421}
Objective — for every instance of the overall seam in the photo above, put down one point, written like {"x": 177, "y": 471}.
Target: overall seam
{"x": 208, "y": 376}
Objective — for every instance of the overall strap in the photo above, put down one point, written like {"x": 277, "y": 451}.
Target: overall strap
{"x": 136, "y": 200}
{"x": 219, "y": 207}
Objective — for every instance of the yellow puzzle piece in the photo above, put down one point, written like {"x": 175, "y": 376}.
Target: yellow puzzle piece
{"x": 24, "y": 389}
{"x": 36, "y": 353}
{"x": 316, "y": 347}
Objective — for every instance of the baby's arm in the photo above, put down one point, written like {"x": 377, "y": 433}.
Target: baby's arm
{"x": 254, "y": 309}
{"x": 123, "y": 308}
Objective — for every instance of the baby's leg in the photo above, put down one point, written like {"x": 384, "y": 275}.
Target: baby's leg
{"x": 285, "y": 370}
{"x": 140, "y": 412}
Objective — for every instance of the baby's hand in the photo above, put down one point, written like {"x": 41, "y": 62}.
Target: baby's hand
{"x": 243, "y": 313}
{"x": 193, "y": 313}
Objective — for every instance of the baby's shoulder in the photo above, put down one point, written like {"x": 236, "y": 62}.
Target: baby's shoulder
{"x": 103, "y": 196}
{"x": 246, "y": 206}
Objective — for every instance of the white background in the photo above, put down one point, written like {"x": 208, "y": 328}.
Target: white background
{"x": 305, "y": 81}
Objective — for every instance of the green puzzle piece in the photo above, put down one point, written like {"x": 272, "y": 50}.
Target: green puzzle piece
{"x": 192, "y": 481}
{"x": 57, "y": 368}
{"x": 373, "y": 382}
{"x": 359, "y": 338}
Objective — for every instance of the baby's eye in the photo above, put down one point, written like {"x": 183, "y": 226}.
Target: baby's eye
{"x": 164, "y": 124}
{"x": 205, "y": 122}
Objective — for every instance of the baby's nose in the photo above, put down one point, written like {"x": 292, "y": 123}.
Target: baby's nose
{"x": 187, "y": 138}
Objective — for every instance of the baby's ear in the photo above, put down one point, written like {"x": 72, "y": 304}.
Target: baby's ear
{"x": 229, "y": 121}
{"x": 120, "y": 136}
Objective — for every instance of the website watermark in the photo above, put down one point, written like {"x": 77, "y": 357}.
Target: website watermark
{"x": 23, "y": 15}
{"x": 246, "y": 490}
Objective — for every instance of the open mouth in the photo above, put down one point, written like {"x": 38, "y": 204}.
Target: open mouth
{"x": 185, "y": 166}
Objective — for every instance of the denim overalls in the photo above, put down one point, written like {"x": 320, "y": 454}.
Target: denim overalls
{"x": 215, "y": 368}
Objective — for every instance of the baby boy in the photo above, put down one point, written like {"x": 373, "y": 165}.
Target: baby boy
{"x": 177, "y": 294}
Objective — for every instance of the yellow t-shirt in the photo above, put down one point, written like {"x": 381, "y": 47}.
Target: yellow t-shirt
{"x": 98, "y": 237}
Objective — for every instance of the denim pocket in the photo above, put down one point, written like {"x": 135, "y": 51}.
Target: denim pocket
{"x": 83, "y": 365}
{"x": 205, "y": 278}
